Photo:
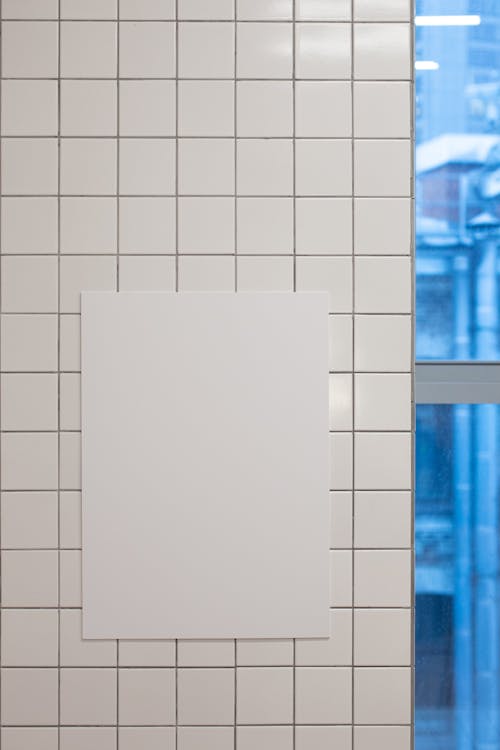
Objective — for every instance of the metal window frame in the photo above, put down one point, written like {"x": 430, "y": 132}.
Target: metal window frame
{"x": 457, "y": 382}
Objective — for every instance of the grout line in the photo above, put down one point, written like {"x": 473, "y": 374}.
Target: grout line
{"x": 59, "y": 374}
{"x": 353, "y": 380}
{"x": 294, "y": 230}
{"x": 1, "y": 364}
{"x": 176, "y": 289}
{"x": 337, "y": 606}
{"x": 193, "y": 137}
{"x": 299, "y": 196}
{"x": 255, "y": 21}
{"x": 235, "y": 208}
{"x": 118, "y": 139}
{"x": 191, "y": 78}
{"x": 177, "y": 127}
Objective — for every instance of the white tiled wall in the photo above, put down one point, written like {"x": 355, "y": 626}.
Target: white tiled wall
{"x": 157, "y": 144}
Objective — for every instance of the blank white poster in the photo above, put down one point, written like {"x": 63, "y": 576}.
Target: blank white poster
{"x": 205, "y": 465}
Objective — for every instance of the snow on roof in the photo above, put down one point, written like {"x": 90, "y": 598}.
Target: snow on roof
{"x": 454, "y": 148}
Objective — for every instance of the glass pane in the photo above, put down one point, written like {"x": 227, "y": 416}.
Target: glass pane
{"x": 457, "y": 539}
{"x": 458, "y": 179}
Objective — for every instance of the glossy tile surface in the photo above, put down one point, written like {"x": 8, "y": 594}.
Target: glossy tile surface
{"x": 229, "y": 145}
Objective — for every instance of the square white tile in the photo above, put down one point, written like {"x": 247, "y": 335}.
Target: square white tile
{"x": 382, "y": 637}
{"x": 29, "y": 461}
{"x": 29, "y": 284}
{"x": 372, "y": 510}
{"x": 382, "y": 10}
{"x": 196, "y": 10}
{"x": 206, "y": 274}
{"x": 206, "y": 225}
{"x": 29, "y": 343}
{"x": 147, "y": 108}
{"x": 383, "y": 401}
{"x": 323, "y": 738}
{"x": 29, "y": 578}
{"x": 205, "y": 696}
{"x": 70, "y": 578}
{"x": 206, "y": 108}
{"x": 373, "y": 100}
{"x": 29, "y": 108}
{"x": 382, "y": 738}
{"x": 29, "y": 696}
{"x": 264, "y": 109}
{"x": 89, "y": 108}
{"x": 323, "y": 167}
{"x": 88, "y": 49}
{"x": 147, "y": 49}
{"x": 382, "y": 168}
{"x": 147, "y": 166}
{"x": 146, "y": 696}
{"x": 382, "y": 285}
{"x": 88, "y": 225}
{"x": 382, "y": 226}
{"x": 206, "y": 653}
{"x": 264, "y": 695}
{"x": 147, "y": 225}
{"x": 206, "y": 50}
{"x": 382, "y": 695}
{"x": 29, "y": 520}
{"x": 88, "y": 166}
{"x": 265, "y": 225}
{"x": 30, "y": 9}
{"x": 277, "y": 652}
{"x": 265, "y": 738}
{"x": 323, "y": 226}
{"x": 323, "y": 695}
{"x": 153, "y": 274}
{"x": 323, "y": 50}
{"x": 41, "y": 38}
{"x": 264, "y": 10}
{"x": 147, "y": 653}
{"x": 87, "y": 696}
{"x": 29, "y": 166}
{"x": 29, "y": 225}
{"x": 265, "y": 274}
{"x": 70, "y": 519}
{"x": 265, "y": 50}
{"x": 29, "y": 401}
{"x": 147, "y": 9}
{"x": 265, "y": 167}
{"x": 29, "y": 638}
{"x": 382, "y": 51}
{"x": 382, "y": 578}
{"x": 323, "y": 109}
{"x": 383, "y": 460}
{"x": 77, "y": 652}
{"x": 204, "y": 738}
{"x": 206, "y": 166}
{"x": 105, "y": 9}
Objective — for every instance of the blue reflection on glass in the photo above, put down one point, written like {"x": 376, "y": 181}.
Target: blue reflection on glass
{"x": 458, "y": 181}
{"x": 457, "y": 534}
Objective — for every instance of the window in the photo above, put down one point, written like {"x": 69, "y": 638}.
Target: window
{"x": 457, "y": 522}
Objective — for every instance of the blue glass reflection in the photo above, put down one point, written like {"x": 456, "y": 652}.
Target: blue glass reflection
{"x": 458, "y": 181}
{"x": 457, "y": 532}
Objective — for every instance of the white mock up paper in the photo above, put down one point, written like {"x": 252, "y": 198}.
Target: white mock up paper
{"x": 205, "y": 465}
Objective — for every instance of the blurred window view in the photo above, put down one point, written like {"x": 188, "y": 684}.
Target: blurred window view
{"x": 457, "y": 529}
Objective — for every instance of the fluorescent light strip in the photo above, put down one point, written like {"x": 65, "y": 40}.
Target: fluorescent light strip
{"x": 426, "y": 65}
{"x": 447, "y": 20}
